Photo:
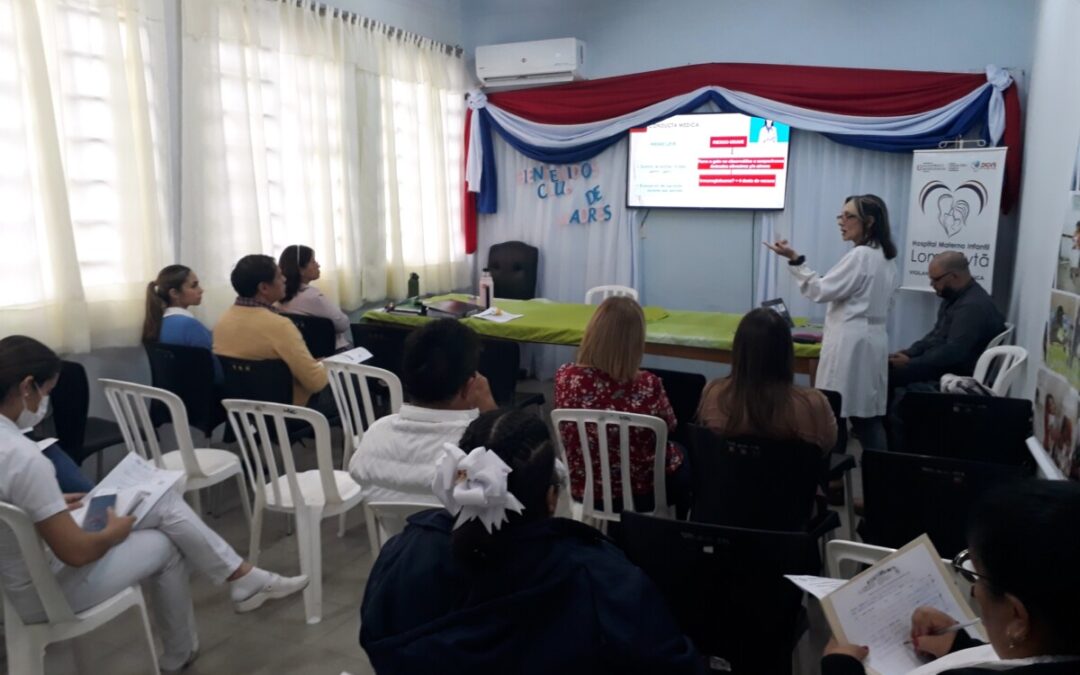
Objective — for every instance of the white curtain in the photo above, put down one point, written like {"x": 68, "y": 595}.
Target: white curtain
{"x": 84, "y": 177}
{"x": 821, "y": 174}
{"x": 576, "y": 215}
{"x": 301, "y": 127}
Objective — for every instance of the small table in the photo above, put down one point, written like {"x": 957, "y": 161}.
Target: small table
{"x": 701, "y": 336}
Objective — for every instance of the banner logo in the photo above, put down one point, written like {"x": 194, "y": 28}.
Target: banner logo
{"x": 953, "y": 207}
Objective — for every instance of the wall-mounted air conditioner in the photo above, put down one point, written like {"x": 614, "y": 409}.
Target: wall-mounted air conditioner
{"x": 530, "y": 63}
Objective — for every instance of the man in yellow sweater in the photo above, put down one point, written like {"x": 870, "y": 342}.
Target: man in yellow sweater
{"x": 252, "y": 329}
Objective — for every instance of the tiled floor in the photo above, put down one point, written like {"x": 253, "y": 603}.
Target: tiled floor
{"x": 275, "y": 639}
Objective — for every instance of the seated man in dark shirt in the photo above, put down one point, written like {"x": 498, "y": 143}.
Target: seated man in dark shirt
{"x": 966, "y": 322}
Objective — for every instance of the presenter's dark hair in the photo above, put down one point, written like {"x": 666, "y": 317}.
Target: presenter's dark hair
{"x": 21, "y": 356}
{"x": 757, "y": 393}
{"x": 1020, "y": 535}
{"x": 524, "y": 442}
{"x": 170, "y": 278}
{"x": 874, "y": 216}
{"x": 438, "y": 361}
{"x": 292, "y": 259}
{"x": 250, "y": 271}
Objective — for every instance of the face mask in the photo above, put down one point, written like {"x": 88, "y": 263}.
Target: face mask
{"x": 29, "y": 419}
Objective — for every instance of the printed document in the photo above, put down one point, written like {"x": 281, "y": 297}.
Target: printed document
{"x": 874, "y": 609}
{"x": 138, "y": 485}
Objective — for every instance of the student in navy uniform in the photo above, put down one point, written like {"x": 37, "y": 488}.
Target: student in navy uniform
{"x": 536, "y": 595}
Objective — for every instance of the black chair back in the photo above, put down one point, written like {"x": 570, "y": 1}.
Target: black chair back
{"x": 725, "y": 585}
{"x": 269, "y": 380}
{"x": 187, "y": 372}
{"x": 756, "y": 483}
{"x": 684, "y": 393}
{"x": 972, "y": 428}
{"x": 907, "y": 495}
{"x": 513, "y": 266}
{"x": 385, "y": 342}
{"x": 836, "y": 402}
{"x": 318, "y": 333}
{"x": 70, "y": 401}
{"x": 499, "y": 363}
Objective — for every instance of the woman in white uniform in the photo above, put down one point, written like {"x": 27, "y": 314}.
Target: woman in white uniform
{"x": 858, "y": 290}
{"x": 93, "y": 566}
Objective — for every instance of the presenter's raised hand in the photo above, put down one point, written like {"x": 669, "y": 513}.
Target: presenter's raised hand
{"x": 781, "y": 248}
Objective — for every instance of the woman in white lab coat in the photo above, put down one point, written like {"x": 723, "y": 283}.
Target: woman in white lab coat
{"x": 858, "y": 290}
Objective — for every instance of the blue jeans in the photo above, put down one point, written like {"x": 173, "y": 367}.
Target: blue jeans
{"x": 67, "y": 471}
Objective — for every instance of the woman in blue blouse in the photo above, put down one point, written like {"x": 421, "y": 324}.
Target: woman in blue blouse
{"x": 168, "y": 319}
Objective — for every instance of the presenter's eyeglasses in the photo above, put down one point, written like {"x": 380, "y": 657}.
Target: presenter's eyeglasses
{"x": 841, "y": 217}
{"x": 939, "y": 277}
{"x": 966, "y": 568}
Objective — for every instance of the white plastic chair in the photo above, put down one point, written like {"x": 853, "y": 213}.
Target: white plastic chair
{"x": 204, "y": 467}
{"x": 349, "y": 384}
{"x": 386, "y": 519}
{"x": 310, "y": 496}
{"x": 601, "y": 420}
{"x": 1009, "y": 367}
{"x": 601, "y": 293}
{"x": 26, "y": 643}
{"x": 1002, "y": 337}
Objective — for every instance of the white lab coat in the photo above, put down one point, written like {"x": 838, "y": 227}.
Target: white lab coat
{"x": 855, "y": 348}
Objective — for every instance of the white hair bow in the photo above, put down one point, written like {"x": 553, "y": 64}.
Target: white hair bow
{"x": 474, "y": 486}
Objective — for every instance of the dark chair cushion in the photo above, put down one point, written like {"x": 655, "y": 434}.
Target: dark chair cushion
{"x": 513, "y": 266}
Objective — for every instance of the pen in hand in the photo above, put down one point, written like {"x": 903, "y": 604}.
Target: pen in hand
{"x": 955, "y": 628}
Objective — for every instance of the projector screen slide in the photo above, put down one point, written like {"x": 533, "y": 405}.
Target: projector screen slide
{"x": 708, "y": 161}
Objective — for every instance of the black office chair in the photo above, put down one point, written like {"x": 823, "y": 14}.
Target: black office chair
{"x": 906, "y": 495}
{"x": 756, "y": 483}
{"x": 385, "y": 342}
{"x": 684, "y": 393}
{"x": 318, "y": 333}
{"x": 187, "y": 372}
{"x": 973, "y": 428}
{"x": 725, "y": 586}
{"x": 79, "y": 434}
{"x": 269, "y": 380}
{"x": 499, "y": 362}
{"x": 513, "y": 266}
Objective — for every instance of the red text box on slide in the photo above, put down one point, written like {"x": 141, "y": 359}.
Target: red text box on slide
{"x": 727, "y": 141}
{"x": 739, "y": 163}
{"x": 745, "y": 180}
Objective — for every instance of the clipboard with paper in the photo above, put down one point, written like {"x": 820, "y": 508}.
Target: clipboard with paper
{"x": 874, "y": 608}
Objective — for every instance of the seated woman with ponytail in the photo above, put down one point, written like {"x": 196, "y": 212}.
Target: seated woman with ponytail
{"x": 298, "y": 264}
{"x": 495, "y": 584}
{"x": 168, "y": 319}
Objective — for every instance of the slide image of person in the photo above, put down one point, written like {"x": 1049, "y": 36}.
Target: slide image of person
{"x": 767, "y": 133}
{"x": 1061, "y": 342}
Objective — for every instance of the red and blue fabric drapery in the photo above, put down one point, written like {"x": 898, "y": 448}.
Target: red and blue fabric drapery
{"x": 888, "y": 110}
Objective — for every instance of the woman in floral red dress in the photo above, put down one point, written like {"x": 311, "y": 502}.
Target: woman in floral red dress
{"x": 607, "y": 376}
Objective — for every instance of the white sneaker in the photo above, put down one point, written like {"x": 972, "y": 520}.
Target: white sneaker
{"x": 273, "y": 588}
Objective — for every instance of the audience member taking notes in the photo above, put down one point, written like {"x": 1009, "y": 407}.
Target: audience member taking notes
{"x": 92, "y": 567}
{"x": 1022, "y": 543}
{"x": 494, "y": 584}
{"x": 858, "y": 290}
{"x": 252, "y": 329}
{"x": 759, "y": 397}
{"x": 300, "y": 268}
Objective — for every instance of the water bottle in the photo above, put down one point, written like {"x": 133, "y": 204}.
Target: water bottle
{"x": 414, "y": 285}
{"x": 486, "y": 290}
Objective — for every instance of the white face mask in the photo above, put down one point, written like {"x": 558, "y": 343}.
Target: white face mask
{"x": 29, "y": 419}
